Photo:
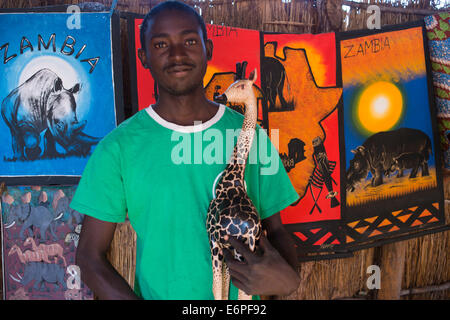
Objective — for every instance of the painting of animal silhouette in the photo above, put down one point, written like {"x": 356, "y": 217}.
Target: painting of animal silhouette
{"x": 274, "y": 80}
{"x": 403, "y": 148}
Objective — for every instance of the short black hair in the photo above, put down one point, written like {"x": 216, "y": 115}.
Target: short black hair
{"x": 170, "y": 5}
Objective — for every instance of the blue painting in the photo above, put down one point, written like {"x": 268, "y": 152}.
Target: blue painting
{"x": 58, "y": 95}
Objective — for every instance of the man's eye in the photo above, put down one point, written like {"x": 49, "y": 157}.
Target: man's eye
{"x": 160, "y": 45}
{"x": 191, "y": 42}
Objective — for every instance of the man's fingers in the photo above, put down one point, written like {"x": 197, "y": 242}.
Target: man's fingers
{"x": 231, "y": 261}
{"x": 241, "y": 248}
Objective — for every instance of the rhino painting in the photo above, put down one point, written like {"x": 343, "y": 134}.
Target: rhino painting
{"x": 41, "y": 112}
{"x": 388, "y": 150}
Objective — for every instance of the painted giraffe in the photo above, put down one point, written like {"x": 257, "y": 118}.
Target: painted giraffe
{"x": 232, "y": 212}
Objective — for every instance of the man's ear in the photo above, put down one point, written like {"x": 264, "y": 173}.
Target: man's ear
{"x": 209, "y": 49}
{"x": 143, "y": 57}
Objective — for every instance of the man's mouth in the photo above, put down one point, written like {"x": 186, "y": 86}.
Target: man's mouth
{"x": 179, "y": 70}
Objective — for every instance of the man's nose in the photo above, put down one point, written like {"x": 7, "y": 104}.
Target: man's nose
{"x": 177, "y": 50}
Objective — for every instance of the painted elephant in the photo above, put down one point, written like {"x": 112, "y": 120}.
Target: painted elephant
{"x": 42, "y": 273}
{"x": 41, "y": 108}
{"x": 274, "y": 76}
{"x": 62, "y": 207}
{"x": 16, "y": 213}
{"x": 38, "y": 217}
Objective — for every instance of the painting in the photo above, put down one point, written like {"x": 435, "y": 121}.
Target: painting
{"x": 300, "y": 86}
{"x": 392, "y": 180}
{"x": 61, "y": 92}
{"x": 40, "y": 235}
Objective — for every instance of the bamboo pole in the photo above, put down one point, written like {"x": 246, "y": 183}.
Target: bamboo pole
{"x": 422, "y": 12}
{"x": 290, "y": 23}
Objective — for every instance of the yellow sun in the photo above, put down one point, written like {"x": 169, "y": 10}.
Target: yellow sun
{"x": 380, "y": 106}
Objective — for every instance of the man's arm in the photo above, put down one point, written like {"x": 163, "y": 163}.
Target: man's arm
{"x": 271, "y": 270}
{"x": 96, "y": 271}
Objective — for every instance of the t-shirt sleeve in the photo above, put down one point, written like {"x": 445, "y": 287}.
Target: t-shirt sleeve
{"x": 276, "y": 191}
{"x": 100, "y": 193}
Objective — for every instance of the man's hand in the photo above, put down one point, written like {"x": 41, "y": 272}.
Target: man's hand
{"x": 264, "y": 272}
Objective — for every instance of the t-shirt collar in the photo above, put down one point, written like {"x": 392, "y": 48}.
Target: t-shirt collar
{"x": 186, "y": 129}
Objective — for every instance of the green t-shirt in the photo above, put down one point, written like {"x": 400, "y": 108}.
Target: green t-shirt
{"x": 163, "y": 176}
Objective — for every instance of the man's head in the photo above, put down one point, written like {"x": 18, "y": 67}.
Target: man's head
{"x": 170, "y": 5}
{"x": 175, "y": 48}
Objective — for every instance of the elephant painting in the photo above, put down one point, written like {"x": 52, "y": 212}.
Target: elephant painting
{"x": 42, "y": 109}
{"x": 61, "y": 207}
{"x": 31, "y": 217}
{"x": 273, "y": 79}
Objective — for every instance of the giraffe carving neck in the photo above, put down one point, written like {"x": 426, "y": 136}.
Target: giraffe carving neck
{"x": 244, "y": 142}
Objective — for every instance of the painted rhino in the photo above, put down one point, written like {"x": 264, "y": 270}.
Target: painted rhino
{"x": 42, "y": 273}
{"x": 41, "y": 108}
{"x": 379, "y": 152}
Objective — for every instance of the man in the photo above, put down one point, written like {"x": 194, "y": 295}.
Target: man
{"x": 133, "y": 171}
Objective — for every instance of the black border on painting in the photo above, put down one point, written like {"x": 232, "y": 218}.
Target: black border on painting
{"x": 130, "y": 18}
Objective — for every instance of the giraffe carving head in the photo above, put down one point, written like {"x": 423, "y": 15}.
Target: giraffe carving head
{"x": 239, "y": 91}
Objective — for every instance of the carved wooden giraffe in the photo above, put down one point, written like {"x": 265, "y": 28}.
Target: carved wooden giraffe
{"x": 232, "y": 212}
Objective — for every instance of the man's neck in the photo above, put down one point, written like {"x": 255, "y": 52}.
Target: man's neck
{"x": 185, "y": 110}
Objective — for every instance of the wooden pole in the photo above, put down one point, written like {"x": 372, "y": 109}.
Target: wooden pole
{"x": 392, "y": 265}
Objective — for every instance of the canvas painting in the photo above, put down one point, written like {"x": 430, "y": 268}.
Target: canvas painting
{"x": 299, "y": 84}
{"x": 392, "y": 178}
{"x": 60, "y": 95}
{"x": 40, "y": 235}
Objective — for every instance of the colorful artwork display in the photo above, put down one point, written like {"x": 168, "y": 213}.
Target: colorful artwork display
{"x": 50, "y": 101}
{"x": 39, "y": 239}
{"x": 355, "y": 124}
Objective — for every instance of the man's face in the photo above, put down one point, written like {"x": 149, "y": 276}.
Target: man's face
{"x": 175, "y": 52}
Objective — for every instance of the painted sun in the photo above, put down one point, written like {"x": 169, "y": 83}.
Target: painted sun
{"x": 380, "y": 106}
